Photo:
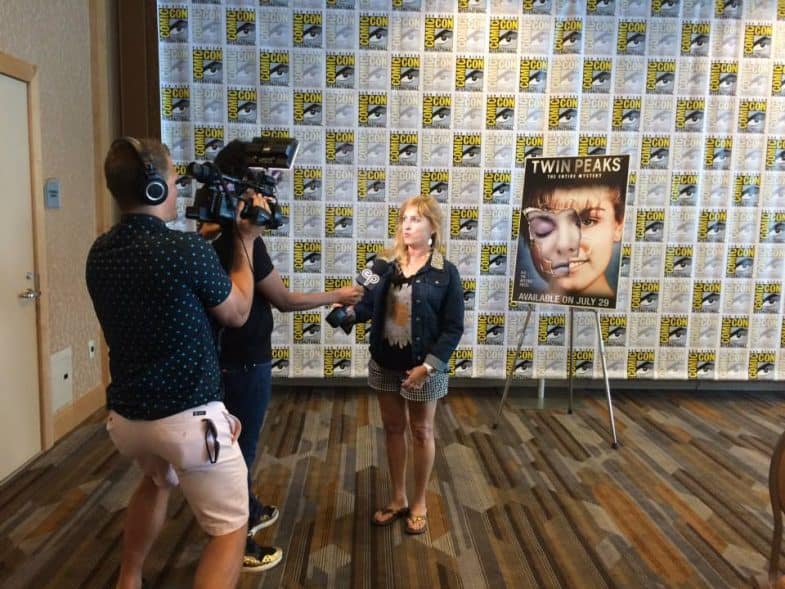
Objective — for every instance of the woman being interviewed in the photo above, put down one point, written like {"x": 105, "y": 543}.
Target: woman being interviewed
{"x": 417, "y": 315}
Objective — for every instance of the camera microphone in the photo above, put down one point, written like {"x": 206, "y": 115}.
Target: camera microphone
{"x": 369, "y": 278}
{"x": 204, "y": 173}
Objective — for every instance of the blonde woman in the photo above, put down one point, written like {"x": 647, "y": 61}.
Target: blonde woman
{"x": 417, "y": 314}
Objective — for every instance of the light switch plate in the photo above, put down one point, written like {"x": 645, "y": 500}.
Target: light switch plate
{"x": 52, "y": 193}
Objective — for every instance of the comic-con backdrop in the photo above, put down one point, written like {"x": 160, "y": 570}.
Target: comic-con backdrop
{"x": 390, "y": 98}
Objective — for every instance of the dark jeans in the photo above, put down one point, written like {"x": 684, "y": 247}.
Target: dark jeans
{"x": 246, "y": 395}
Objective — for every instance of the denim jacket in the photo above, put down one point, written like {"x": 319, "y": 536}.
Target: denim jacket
{"x": 437, "y": 312}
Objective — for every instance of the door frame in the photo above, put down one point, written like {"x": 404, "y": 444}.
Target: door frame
{"x": 28, "y": 73}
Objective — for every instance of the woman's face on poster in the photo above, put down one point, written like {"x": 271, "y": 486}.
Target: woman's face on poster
{"x": 572, "y": 237}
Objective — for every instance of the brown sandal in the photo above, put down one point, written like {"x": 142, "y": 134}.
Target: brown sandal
{"x": 416, "y": 524}
{"x": 389, "y": 514}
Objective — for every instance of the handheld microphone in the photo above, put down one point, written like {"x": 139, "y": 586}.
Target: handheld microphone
{"x": 368, "y": 279}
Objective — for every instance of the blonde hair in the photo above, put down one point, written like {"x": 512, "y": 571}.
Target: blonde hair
{"x": 427, "y": 207}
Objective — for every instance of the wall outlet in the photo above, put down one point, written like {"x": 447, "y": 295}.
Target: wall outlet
{"x": 91, "y": 349}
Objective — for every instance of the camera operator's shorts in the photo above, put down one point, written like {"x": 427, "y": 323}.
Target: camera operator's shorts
{"x": 195, "y": 450}
{"x": 389, "y": 381}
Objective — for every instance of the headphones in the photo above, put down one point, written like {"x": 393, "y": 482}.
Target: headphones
{"x": 152, "y": 188}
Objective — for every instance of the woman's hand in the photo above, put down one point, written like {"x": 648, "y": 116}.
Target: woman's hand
{"x": 415, "y": 378}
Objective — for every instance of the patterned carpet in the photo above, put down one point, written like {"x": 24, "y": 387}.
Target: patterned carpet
{"x": 542, "y": 501}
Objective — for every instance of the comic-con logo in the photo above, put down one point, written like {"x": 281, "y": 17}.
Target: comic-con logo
{"x": 695, "y": 38}
{"x": 631, "y": 38}
{"x": 723, "y": 78}
{"x": 690, "y": 114}
{"x": 466, "y": 149}
{"x": 592, "y": 145}
{"x": 361, "y": 333}
{"x": 655, "y": 151}
{"x": 240, "y": 26}
{"x": 563, "y": 113}
{"x": 706, "y": 296}
{"x": 490, "y": 328}
{"x": 778, "y": 79}
{"x": 438, "y": 33}
{"x": 499, "y": 112}
{"x": 207, "y": 65}
{"x": 403, "y": 149}
{"x": 503, "y": 35}
{"x": 527, "y": 146}
{"x": 366, "y": 252}
{"x": 374, "y": 31}
{"x": 775, "y": 154}
{"x": 596, "y": 75}
{"x": 176, "y": 103}
{"x": 649, "y": 225}
{"x": 536, "y": 6}
{"x": 673, "y": 331}
{"x": 626, "y": 113}
{"x": 307, "y": 183}
{"x": 241, "y": 105}
{"x": 678, "y": 261}
{"x": 551, "y": 329}
{"x": 469, "y": 292}
{"x": 767, "y": 297}
{"x": 752, "y": 115}
{"x": 464, "y": 222}
{"x": 645, "y": 296}
{"x": 660, "y": 76}
{"x": 339, "y": 147}
{"x": 308, "y": 107}
{"x": 469, "y": 73}
{"x": 338, "y": 221}
{"x": 307, "y": 29}
{"x": 734, "y": 331}
{"x": 436, "y": 111}
{"x": 307, "y": 328}
{"x": 307, "y": 256}
{"x": 614, "y": 329}
{"x": 493, "y": 259}
{"x": 762, "y": 365}
{"x": 405, "y": 72}
{"x": 684, "y": 189}
{"x": 435, "y": 183}
{"x": 717, "y": 153}
{"x": 582, "y": 363}
{"x": 665, "y": 8}
{"x": 496, "y": 186}
{"x": 757, "y": 40}
{"x": 533, "y": 74}
{"x": 740, "y": 262}
{"x": 274, "y": 68}
{"x": 339, "y": 70}
{"x": 461, "y": 362}
{"x": 393, "y": 215}
{"x": 208, "y": 141}
{"x": 626, "y": 260}
{"x": 746, "y": 190}
{"x": 173, "y": 24}
{"x": 772, "y": 227}
{"x": 371, "y": 184}
{"x": 515, "y": 226}
{"x": 640, "y": 364}
{"x": 280, "y": 361}
{"x": 372, "y": 110}
{"x": 568, "y": 36}
{"x": 522, "y": 364}
{"x": 337, "y": 361}
{"x": 701, "y": 364}
{"x": 712, "y": 225}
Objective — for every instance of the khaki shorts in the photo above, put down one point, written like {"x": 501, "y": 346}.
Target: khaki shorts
{"x": 174, "y": 450}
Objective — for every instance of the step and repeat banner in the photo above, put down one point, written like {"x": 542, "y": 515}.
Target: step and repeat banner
{"x": 451, "y": 98}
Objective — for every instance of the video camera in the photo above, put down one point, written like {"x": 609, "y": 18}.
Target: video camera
{"x": 247, "y": 161}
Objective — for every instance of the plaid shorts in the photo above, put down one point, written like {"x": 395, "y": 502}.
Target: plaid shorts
{"x": 389, "y": 381}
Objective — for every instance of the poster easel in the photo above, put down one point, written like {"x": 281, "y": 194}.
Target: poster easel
{"x": 570, "y": 369}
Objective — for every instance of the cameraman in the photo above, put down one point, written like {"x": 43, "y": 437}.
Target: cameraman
{"x": 246, "y": 352}
{"x": 154, "y": 291}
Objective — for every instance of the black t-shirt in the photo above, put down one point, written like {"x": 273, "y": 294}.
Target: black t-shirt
{"x": 150, "y": 287}
{"x": 395, "y": 356}
{"x": 251, "y": 343}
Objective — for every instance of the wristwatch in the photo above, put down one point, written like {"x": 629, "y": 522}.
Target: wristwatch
{"x": 428, "y": 368}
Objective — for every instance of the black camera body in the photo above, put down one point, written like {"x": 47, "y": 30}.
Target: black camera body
{"x": 217, "y": 199}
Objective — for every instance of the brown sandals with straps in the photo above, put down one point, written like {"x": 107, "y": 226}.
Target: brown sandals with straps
{"x": 416, "y": 524}
{"x": 388, "y": 515}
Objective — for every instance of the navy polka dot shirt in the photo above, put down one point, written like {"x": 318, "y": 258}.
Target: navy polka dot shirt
{"x": 150, "y": 287}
